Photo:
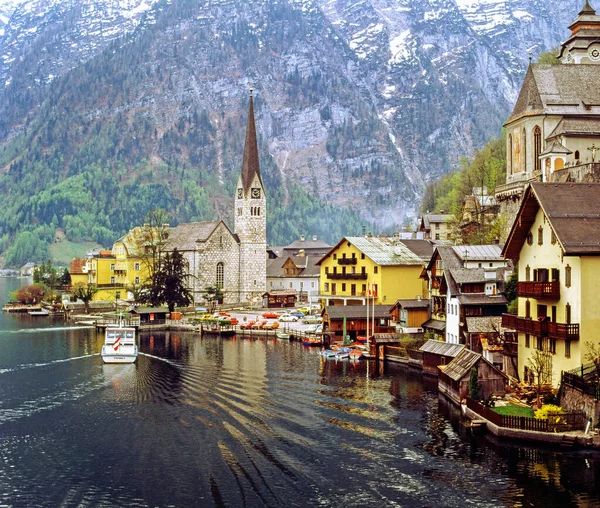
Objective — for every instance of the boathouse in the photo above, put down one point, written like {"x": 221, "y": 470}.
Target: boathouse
{"x": 410, "y": 315}
{"x": 151, "y": 315}
{"x": 355, "y": 319}
{"x": 455, "y": 377}
{"x": 436, "y": 353}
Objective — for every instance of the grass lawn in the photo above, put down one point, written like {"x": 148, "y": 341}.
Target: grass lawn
{"x": 512, "y": 410}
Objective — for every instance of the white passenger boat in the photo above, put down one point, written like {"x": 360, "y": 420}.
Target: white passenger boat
{"x": 119, "y": 344}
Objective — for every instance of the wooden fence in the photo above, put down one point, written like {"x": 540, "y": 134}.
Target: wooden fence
{"x": 559, "y": 422}
{"x": 589, "y": 386}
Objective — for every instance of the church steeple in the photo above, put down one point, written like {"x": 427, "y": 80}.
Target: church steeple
{"x": 250, "y": 164}
{"x": 583, "y": 45}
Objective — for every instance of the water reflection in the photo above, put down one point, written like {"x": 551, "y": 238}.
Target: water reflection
{"x": 237, "y": 422}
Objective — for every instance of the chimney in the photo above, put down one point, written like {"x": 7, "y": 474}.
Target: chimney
{"x": 301, "y": 253}
{"x": 369, "y": 235}
{"x": 301, "y": 238}
{"x": 314, "y": 238}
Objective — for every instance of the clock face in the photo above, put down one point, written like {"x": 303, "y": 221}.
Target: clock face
{"x": 240, "y": 193}
{"x": 594, "y": 53}
{"x": 256, "y": 193}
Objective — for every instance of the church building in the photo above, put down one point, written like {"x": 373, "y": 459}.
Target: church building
{"x": 235, "y": 261}
{"x": 553, "y": 132}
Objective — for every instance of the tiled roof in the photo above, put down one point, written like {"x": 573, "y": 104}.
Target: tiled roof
{"x": 488, "y": 324}
{"x": 461, "y": 364}
{"x": 412, "y": 304}
{"x": 77, "y": 266}
{"x": 435, "y": 324}
{"x": 479, "y": 252}
{"x": 558, "y": 89}
{"x": 556, "y": 147}
{"x": 481, "y": 299}
{"x": 422, "y": 248}
{"x": 572, "y": 126}
{"x": 441, "y": 348}
{"x": 573, "y": 210}
{"x": 384, "y": 251}
{"x": 336, "y": 312}
{"x": 184, "y": 236}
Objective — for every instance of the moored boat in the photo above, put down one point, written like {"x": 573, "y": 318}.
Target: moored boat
{"x": 119, "y": 344}
{"x": 41, "y": 312}
{"x": 281, "y": 335}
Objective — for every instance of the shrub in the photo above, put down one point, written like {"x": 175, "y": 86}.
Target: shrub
{"x": 550, "y": 412}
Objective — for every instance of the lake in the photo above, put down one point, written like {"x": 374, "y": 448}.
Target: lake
{"x": 246, "y": 422}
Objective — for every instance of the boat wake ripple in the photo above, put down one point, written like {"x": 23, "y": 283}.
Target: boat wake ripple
{"x": 47, "y": 329}
{"x": 45, "y": 364}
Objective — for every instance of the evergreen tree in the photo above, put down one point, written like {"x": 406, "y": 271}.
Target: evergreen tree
{"x": 168, "y": 283}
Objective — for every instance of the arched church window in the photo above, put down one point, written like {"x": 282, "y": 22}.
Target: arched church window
{"x": 577, "y": 157}
{"x": 220, "y": 274}
{"x": 509, "y": 155}
{"x": 537, "y": 148}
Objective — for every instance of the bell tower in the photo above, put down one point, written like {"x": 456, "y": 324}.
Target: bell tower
{"x": 250, "y": 223}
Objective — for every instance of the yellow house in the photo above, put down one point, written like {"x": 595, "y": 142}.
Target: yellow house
{"x": 556, "y": 240}
{"x": 113, "y": 271}
{"x": 357, "y": 264}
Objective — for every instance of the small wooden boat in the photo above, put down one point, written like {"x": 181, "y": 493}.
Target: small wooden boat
{"x": 41, "y": 312}
{"x": 281, "y": 335}
{"x": 312, "y": 341}
{"x": 355, "y": 354}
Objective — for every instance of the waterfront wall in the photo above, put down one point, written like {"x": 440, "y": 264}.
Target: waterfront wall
{"x": 572, "y": 399}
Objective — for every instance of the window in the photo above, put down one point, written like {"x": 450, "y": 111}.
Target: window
{"x": 353, "y": 289}
{"x": 527, "y": 344}
{"x": 353, "y": 269}
{"x": 375, "y": 269}
{"x": 335, "y": 269}
{"x": 136, "y": 267}
{"x": 220, "y": 274}
{"x": 437, "y": 236}
{"x": 527, "y": 309}
{"x": 117, "y": 295}
{"x": 537, "y": 148}
{"x": 312, "y": 284}
{"x": 577, "y": 157}
{"x": 553, "y": 346}
{"x": 363, "y": 270}
{"x": 362, "y": 256}
{"x": 568, "y": 276}
{"x": 343, "y": 287}
{"x": 374, "y": 289}
{"x": 291, "y": 285}
{"x": 555, "y": 274}
{"x": 524, "y": 150}
{"x": 530, "y": 238}
{"x": 527, "y": 273}
{"x": 344, "y": 255}
{"x": 540, "y": 235}
{"x": 326, "y": 269}
{"x": 326, "y": 287}
{"x": 353, "y": 255}
{"x": 239, "y": 212}
{"x": 334, "y": 257}
{"x": 285, "y": 271}
{"x": 364, "y": 289}
{"x": 112, "y": 280}
{"x": 554, "y": 313}
{"x": 540, "y": 343}
{"x": 136, "y": 280}
{"x": 301, "y": 285}
{"x": 568, "y": 313}
{"x": 553, "y": 238}
{"x": 112, "y": 267}
{"x": 567, "y": 348}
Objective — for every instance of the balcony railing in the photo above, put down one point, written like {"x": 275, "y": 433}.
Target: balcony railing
{"x": 347, "y": 261}
{"x": 539, "y": 289}
{"x": 349, "y": 276}
{"x": 541, "y": 328}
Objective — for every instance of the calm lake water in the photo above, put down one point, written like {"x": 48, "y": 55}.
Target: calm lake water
{"x": 209, "y": 422}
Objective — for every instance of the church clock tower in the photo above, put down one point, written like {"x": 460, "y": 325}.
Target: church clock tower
{"x": 251, "y": 219}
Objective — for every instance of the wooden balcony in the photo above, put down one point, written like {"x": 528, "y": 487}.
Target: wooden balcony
{"x": 347, "y": 276}
{"x": 347, "y": 261}
{"x": 531, "y": 289}
{"x": 539, "y": 328}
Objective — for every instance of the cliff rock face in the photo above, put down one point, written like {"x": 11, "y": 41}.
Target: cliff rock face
{"x": 360, "y": 102}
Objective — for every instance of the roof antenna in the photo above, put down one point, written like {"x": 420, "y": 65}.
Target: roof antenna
{"x": 530, "y": 56}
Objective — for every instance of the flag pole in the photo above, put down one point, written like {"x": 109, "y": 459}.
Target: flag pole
{"x": 367, "y": 295}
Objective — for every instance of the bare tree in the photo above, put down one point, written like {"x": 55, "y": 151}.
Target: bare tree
{"x": 85, "y": 293}
{"x": 540, "y": 364}
{"x": 593, "y": 355}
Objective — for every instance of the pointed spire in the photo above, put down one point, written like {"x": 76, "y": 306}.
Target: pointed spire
{"x": 250, "y": 164}
{"x": 587, "y": 9}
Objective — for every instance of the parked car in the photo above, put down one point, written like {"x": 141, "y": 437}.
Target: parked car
{"x": 288, "y": 317}
{"x": 270, "y": 315}
{"x": 313, "y": 330}
{"x": 297, "y": 313}
{"x": 312, "y": 319}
